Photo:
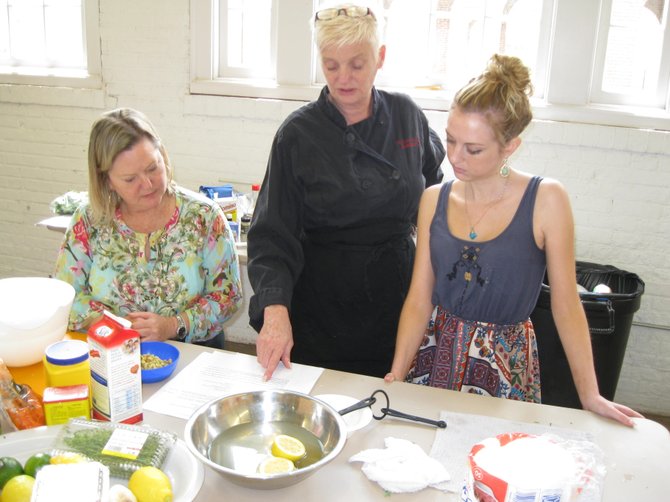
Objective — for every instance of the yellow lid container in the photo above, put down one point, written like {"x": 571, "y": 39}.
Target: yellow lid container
{"x": 63, "y": 403}
{"x": 66, "y": 363}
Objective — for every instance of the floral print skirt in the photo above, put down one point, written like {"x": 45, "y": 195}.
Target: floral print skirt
{"x": 481, "y": 358}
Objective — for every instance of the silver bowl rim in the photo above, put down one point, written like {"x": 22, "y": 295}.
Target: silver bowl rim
{"x": 302, "y": 472}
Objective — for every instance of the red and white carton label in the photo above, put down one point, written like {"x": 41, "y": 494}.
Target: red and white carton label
{"x": 116, "y": 377}
{"x": 503, "y": 476}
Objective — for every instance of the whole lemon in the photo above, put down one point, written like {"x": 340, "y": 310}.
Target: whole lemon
{"x": 18, "y": 489}
{"x": 150, "y": 484}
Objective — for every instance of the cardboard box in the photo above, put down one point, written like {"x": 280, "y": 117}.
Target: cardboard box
{"x": 116, "y": 378}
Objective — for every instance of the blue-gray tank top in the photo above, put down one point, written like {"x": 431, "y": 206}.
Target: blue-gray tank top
{"x": 496, "y": 281}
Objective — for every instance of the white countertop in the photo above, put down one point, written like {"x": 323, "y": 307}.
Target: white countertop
{"x": 637, "y": 460}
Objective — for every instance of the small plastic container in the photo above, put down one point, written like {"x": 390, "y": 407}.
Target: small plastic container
{"x": 123, "y": 448}
{"x": 63, "y": 403}
{"x": 66, "y": 363}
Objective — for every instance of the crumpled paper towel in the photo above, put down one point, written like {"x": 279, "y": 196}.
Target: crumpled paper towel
{"x": 401, "y": 467}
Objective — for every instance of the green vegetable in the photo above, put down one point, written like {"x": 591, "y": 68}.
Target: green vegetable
{"x": 91, "y": 442}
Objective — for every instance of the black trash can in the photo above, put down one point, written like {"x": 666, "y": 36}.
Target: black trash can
{"x": 609, "y": 316}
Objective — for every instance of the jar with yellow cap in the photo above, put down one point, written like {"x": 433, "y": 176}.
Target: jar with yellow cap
{"x": 66, "y": 363}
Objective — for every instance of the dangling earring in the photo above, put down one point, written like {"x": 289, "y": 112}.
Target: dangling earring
{"x": 504, "y": 169}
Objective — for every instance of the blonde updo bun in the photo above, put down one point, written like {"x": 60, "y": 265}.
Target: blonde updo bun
{"x": 502, "y": 94}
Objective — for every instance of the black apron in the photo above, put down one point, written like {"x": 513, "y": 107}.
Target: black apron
{"x": 347, "y": 301}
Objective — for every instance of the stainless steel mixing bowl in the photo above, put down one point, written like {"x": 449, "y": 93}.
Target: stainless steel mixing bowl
{"x": 263, "y": 407}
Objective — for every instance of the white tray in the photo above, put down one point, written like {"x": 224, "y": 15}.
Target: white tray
{"x": 185, "y": 472}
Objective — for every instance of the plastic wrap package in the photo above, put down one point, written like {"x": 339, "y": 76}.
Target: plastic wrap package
{"x": 20, "y": 407}
{"x": 68, "y": 202}
{"x": 6, "y": 425}
{"x": 121, "y": 447}
{"x": 520, "y": 466}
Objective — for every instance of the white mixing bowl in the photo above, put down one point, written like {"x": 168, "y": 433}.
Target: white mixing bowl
{"x": 34, "y": 313}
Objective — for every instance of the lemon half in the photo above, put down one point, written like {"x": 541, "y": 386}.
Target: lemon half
{"x": 275, "y": 465}
{"x": 288, "y": 447}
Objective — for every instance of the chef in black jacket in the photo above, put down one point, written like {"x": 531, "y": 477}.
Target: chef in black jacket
{"x": 330, "y": 247}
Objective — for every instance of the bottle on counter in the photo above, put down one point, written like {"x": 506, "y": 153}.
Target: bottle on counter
{"x": 245, "y": 220}
{"x": 245, "y": 223}
{"x": 255, "y": 189}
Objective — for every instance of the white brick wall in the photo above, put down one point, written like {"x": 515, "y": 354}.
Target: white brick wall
{"x": 618, "y": 178}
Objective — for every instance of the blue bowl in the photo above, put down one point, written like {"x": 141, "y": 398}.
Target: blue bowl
{"x": 163, "y": 350}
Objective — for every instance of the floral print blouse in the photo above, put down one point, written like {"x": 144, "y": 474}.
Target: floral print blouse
{"x": 192, "y": 268}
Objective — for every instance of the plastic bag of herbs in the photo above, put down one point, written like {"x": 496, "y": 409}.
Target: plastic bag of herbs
{"x": 123, "y": 448}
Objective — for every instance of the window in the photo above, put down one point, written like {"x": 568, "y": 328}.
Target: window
{"x": 49, "y": 42}
{"x": 245, "y": 42}
{"x": 451, "y": 40}
{"x": 632, "y": 65}
{"x": 603, "y": 62}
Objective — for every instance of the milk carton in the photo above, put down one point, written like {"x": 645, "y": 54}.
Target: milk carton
{"x": 116, "y": 377}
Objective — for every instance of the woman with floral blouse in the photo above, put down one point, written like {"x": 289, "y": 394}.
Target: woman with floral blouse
{"x": 143, "y": 248}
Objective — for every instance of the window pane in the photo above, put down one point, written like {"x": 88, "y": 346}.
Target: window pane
{"x": 248, "y": 38}
{"x": 4, "y": 31}
{"x": 451, "y": 40}
{"x": 634, "y": 46}
{"x": 26, "y": 32}
{"x": 64, "y": 33}
{"x": 42, "y": 33}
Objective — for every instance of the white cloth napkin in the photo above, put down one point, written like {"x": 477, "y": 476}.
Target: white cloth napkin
{"x": 401, "y": 467}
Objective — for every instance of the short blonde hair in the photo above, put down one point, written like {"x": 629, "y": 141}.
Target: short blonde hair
{"x": 344, "y": 30}
{"x": 114, "y": 132}
{"x": 502, "y": 94}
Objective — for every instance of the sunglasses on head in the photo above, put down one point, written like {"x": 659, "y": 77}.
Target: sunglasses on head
{"x": 354, "y": 11}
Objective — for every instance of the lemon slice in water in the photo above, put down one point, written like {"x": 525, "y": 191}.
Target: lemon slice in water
{"x": 288, "y": 447}
{"x": 275, "y": 465}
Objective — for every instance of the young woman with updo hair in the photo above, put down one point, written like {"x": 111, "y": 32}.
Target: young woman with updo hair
{"x": 485, "y": 241}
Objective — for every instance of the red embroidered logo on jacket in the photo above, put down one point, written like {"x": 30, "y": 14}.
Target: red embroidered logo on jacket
{"x": 407, "y": 143}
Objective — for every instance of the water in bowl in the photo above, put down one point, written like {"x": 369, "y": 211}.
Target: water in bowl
{"x": 244, "y": 446}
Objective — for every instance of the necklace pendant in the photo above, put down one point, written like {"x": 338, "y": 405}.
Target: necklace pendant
{"x": 473, "y": 234}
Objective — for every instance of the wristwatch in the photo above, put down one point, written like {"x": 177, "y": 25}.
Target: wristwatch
{"x": 181, "y": 329}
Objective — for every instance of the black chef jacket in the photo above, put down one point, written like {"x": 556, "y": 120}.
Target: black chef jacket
{"x": 331, "y": 236}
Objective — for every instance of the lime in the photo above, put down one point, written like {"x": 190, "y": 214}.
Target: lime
{"x": 18, "y": 489}
{"x": 275, "y": 465}
{"x": 150, "y": 484}
{"x": 9, "y": 468}
{"x": 35, "y": 463}
{"x": 288, "y": 447}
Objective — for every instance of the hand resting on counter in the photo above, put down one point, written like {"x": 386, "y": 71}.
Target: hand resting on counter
{"x": 275, "y": 340}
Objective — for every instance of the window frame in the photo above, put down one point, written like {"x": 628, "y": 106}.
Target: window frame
{"x": 56, "y": 77}
{"x": 569, "y": 79}
{"x": 662, "y": 87}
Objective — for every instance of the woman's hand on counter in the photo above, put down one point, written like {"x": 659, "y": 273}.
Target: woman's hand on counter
{"x": 610, "y": 409}
{"x": 390, "y": 377}
{"x": 275, "y": 340}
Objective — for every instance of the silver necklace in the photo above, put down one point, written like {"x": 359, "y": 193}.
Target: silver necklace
{"x": 473, "y": 233}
